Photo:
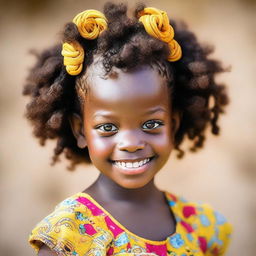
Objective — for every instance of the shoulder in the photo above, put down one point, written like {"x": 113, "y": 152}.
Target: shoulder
{"x": 70, "y": 229}
{"x": 211, "y": 228}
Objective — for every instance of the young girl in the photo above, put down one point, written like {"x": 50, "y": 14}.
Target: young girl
{"x": 122, "y": 93}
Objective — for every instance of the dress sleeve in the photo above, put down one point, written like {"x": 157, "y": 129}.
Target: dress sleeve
{"x": 213, "y": 231}
{"x": 69, "y": 230}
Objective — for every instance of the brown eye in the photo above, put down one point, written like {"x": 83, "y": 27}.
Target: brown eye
{"x": 107, "y": 128}
{"x": 151, "y": 124}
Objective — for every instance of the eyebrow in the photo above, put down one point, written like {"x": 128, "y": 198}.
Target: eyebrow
{"x": 102, "y": 114}
{"x": 109, "y": 115}
{"x": 154, "y": 110}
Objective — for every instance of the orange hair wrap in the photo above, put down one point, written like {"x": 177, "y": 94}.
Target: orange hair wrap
{"x": 73, "y": 57}
{"x": 156, "y": 23}
{"x": 90, "y": 24}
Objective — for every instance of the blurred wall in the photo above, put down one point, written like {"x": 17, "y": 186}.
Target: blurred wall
{"x": 222, "y": 174}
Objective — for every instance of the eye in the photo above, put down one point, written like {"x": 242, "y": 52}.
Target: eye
{"x": 107, "y": 128}
{"x": 152, "y": 124}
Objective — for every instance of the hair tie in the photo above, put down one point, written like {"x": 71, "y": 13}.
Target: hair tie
{"x": 73, "y": 54}
{"x": 156, "y": 23}
{"x": 90, "y": 24}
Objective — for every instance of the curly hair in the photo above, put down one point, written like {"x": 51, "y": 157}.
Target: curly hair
{"x": 125, "y": 45}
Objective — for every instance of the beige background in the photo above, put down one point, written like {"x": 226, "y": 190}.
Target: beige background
{"x": 222, "y": 174}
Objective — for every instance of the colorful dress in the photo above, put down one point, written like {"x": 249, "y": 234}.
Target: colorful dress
{"x": 79, "y": 226}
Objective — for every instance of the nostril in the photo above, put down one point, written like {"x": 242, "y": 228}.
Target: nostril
{"x": 130, "y": 149}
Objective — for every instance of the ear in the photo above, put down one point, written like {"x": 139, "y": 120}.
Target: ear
{"x": 176, "y": 119}
{"x": 76, "y": 124}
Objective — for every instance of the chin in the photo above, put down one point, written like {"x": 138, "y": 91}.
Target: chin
{"x": 133, "y": 184}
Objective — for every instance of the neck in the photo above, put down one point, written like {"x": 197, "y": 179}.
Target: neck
{"x": 108, "y": 190}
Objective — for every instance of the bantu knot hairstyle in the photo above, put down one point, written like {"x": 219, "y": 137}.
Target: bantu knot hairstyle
{"x": 124, "y": 45}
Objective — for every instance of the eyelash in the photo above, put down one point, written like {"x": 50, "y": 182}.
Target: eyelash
{"x": 160, "y": 123}
{"x": 104, "y": 125}
{"x": 101, "y": 127}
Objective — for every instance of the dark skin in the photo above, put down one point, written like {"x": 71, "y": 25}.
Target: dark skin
{"x": 126, "y": 123}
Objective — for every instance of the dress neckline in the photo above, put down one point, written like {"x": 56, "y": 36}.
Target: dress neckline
{"x": 162, "y": 242}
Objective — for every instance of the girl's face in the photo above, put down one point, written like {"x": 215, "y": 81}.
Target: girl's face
{"x": 128, "y": 126}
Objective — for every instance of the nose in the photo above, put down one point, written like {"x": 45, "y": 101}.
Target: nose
{"x": 131, "y": 142}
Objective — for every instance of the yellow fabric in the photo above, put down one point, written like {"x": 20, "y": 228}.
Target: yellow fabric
{"x": 80, "y": 226}
{"x": 73, "y": 54}
{"x": 60, "y": 231}
{"x": 156, "y": 23}
{"x": 90, "y": 23}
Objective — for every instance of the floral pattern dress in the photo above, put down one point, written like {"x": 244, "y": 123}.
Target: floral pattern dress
{"x": 80, "y": 226}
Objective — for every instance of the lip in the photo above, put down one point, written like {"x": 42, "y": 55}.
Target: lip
{"x": 133, "y": 171}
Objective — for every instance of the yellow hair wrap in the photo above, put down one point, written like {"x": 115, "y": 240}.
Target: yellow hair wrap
{"x": 90, "y": 23}
{"x": 73, "y": 54}
{"x": 176, "y": 52}
{"x": 156, "y": 23}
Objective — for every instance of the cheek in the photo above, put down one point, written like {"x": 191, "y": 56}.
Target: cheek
{"x": 163, "y": 150}
{"x": 163, "y": 143}
{"x": 99, "y": 147}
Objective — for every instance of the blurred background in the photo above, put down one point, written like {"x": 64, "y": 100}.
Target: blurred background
{"x": 222, "y": 174}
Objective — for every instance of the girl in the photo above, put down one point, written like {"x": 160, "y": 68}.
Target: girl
{"x": 122, "y": 93}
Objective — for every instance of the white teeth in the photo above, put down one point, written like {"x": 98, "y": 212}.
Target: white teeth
{"x": 136, "y": 164}
{"x": 132, "y": 164}
{"x": 129, "y": 165}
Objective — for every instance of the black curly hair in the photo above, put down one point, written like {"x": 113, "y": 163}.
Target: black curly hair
{"x": 125, "y": 45}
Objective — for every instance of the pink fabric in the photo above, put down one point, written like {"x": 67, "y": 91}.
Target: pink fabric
{"x": 110, "y": 251}
{"x": 94, "y": 209}
{"x": 202, "y": 243}
{"x": 158, "y": 249}
{"x": 89, "y": 229}
{"x": 187, "y": 226}
{"x": 113, "y": 227}
{"x": 188, "y": 211}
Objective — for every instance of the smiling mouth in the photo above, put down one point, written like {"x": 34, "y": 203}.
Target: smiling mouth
{"x": 132, "y": 164}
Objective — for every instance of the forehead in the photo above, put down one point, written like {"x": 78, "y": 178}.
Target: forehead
{"x": 138, "y": 89}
